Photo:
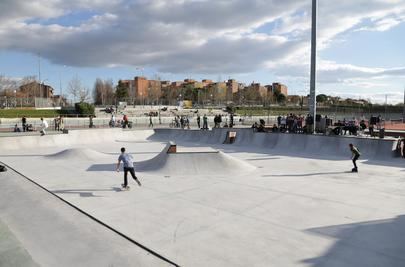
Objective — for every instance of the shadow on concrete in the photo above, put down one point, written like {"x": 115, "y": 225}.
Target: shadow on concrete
{"x": 109, "y": 167}
{"x": 86, "y": 192}
{"x": 372, "y": 243}
{"x": 304, "y": 174}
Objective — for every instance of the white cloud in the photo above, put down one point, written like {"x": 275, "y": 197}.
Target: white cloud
{"x": 186, "y": 36}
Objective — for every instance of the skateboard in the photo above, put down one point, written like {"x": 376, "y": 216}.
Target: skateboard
{"x": 125, "y": 188}
{"x": 354, "y": 170}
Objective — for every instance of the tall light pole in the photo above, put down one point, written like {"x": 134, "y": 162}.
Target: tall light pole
{"x": 312, "y": 103}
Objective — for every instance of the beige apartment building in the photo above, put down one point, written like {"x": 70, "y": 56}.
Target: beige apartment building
{"x": 280, "y": 87}
{"x": 140, "y": 88}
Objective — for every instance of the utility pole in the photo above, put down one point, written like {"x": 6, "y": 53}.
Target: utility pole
{"x": 312, "y": 103}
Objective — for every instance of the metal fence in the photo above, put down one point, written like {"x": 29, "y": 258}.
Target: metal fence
{"x": 28, "y": 102}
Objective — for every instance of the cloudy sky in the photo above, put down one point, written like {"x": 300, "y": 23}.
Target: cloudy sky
{"x": 361, "y": 43}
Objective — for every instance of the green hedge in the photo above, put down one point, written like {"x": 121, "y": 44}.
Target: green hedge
{"x": 31, "y": 113}
{"x": 84, "y": 109}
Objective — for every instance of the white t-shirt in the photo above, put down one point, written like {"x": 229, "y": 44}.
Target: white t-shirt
{"x": 44, "y": 124}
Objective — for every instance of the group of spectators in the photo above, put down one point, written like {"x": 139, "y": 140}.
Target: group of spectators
{"x": 59, "y": 123}
{"x": 123, "y": 123}
{"x": 218, "y": 121}
{"x": 292, "y": 123}
{"x": 354, "y": 127}
{"x": 28, "y": 127}
{"x": 25, "y": 126}
{"x": 182, "y": 122}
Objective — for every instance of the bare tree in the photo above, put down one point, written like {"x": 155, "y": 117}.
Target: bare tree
{"x": 103, "y": 92}
{"x": 78, "y": 91}
{"x": 7, "y": 85}
{"x": 109, "y": 98}
{"x": 84, "y": 95}
{"x": 98, "y": 91}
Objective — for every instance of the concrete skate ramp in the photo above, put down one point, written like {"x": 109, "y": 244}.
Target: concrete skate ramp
{"x": 214, "y": 136}
{"x": 287, "y": 144}
{"x": 194, "y": 163}
{"x": 77, "y": 153}
{"x": 76, "y": 137}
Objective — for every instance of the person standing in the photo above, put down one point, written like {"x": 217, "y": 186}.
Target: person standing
{"x": 44, "y": 126}
{"x": 56, "y": 123}
{"x": 91, "y": 124}
{"x": 150, "y": 121}
{"x": 61, "y": 123}
{"x": 128, "y": 167}
{"x": 355, "y": 156}
{"x": 24, "y": 123}
{"x": 198, "y": 121}
{"x": 231, "y": 121}
{"x": 112, "y": 121}
{"x": 125, "y": 120}
{"x": 205, "y": 122}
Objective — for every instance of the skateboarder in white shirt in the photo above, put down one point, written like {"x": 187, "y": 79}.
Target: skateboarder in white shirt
{"x": 44, "y": 126}
{"x": 128, "y": 167}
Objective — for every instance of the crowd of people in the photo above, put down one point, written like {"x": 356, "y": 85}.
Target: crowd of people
{"x": 28, "y": 127}
{"x": 292, "y": 123}
{"x": 182, "y": 122}
{"x": 122, "y": 123}
{"x": 59, "y": 123}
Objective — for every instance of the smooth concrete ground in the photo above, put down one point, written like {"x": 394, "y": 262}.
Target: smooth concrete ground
{"x": 286, "y": 211}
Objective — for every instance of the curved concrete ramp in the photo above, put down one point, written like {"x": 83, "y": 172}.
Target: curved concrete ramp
{"x": 286, "y": 144}
{"x": 194, "y": 163}
{"x": 77, "y": 153}
{"x": 214, "y": 136}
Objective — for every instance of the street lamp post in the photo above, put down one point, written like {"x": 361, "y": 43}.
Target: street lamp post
{"x": 312, "y": 103}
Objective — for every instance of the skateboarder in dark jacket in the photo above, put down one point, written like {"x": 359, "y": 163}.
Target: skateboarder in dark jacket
{"x": 355, "y": 156}
{"x": 128, "y": 167}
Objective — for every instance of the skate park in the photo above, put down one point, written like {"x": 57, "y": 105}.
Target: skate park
{"x": 266, "y": 199}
